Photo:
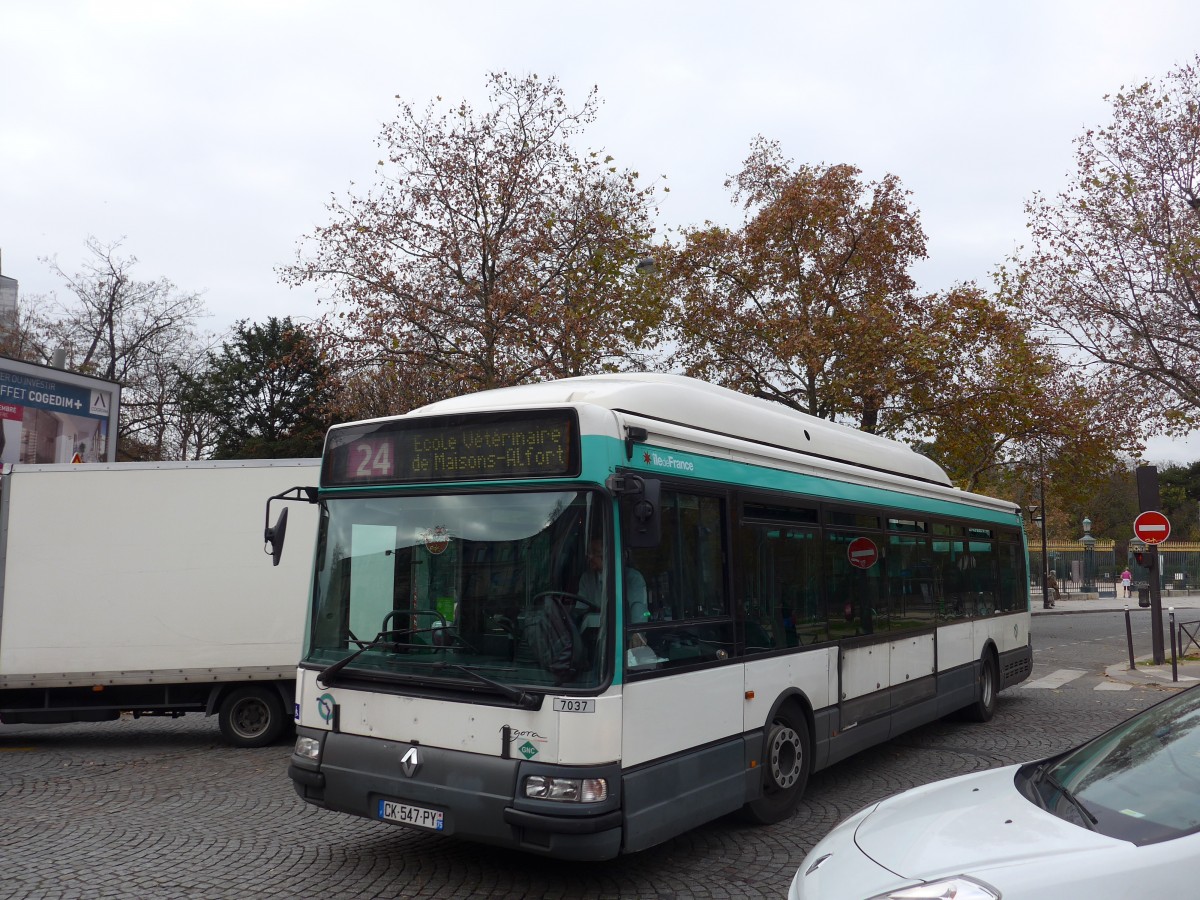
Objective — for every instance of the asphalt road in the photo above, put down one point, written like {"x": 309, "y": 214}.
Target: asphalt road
{"x": 160, "y": 808}
{"x": 1086, "y": 640}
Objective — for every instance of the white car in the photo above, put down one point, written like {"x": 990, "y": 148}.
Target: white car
{"x": 1114, "y": 819}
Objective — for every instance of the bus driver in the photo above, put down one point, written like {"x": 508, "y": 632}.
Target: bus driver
{"x": 591, "y": 588}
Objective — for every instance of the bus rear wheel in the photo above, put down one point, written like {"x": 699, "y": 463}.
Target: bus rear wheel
{"x": 787, "y": 766}
{"x": 984, "y": 706}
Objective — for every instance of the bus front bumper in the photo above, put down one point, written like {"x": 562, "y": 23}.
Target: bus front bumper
{"x": 450, "y": 792}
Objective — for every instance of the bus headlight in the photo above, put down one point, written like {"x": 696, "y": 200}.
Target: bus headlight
{"x": 308, "y": 748}
{"x": 568, "y": 790}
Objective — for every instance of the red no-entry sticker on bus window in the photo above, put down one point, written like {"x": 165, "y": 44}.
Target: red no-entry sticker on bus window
{"x": 862, "y": 553}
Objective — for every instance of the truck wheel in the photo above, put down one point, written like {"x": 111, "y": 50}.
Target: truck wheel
{"x": 251, "y": 716}
{"x": 788, "y": 763}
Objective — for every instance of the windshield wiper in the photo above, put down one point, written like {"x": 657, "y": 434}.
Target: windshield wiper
{"x": 522, "y": 698}
{"x": 382, "y": 638}
{"x": 1089, "y": 820}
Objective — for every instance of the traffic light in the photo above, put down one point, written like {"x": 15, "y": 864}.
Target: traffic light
{"x": 1141, "y": 559}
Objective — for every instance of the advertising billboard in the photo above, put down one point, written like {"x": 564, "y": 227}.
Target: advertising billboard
{"x": 48, "y": 415}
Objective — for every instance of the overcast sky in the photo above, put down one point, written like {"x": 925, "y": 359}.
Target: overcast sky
{"x": 208, "y": 137}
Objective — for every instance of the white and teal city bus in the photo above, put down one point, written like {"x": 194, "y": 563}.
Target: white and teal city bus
{"x": 580, "y": 617}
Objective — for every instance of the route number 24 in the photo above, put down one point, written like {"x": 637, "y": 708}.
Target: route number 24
{"x": 372, "y": 459}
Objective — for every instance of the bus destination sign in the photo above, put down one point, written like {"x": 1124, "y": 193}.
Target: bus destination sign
{"x": 542, "y": 444}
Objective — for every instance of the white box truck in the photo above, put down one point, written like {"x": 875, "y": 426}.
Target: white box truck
{"x": 144, "y": 588}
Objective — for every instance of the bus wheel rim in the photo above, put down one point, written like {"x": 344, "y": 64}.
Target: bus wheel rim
{"x": 786, "y": 756}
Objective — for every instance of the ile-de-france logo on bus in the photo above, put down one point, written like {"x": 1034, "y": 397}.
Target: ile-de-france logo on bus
{"x": 659, "y": 461}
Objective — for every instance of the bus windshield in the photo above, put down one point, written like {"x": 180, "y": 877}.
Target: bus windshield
{"x": 509, "y": 586}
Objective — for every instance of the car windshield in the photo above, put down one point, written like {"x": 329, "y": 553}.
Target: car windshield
{"x": 1139, "y": 782}
{"x": 469, "y": 588}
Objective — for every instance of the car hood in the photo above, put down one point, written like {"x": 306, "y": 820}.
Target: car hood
{"x": 978, "y": 821}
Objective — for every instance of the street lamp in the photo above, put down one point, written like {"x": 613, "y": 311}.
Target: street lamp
{"x": 1041, "y": 520}
{"x": 1089, "y": 557}
{"x": 1039, "y": 516}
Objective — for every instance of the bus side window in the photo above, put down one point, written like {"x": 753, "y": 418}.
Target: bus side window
{"x": 857, "y": 602}
{"x": 911, "y": 590}
{"x": 689, "y": 616}
{"x": 1011, "y": 576}
{"x": 685, "y": 573}
{"x": 779, "y": 567}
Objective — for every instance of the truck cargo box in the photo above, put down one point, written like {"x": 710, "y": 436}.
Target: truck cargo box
{"x": 144, "y": 587}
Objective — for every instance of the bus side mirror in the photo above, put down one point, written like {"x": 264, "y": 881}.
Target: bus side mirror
{"x": 642, "y": 506}
{"x": 273, "y": 535}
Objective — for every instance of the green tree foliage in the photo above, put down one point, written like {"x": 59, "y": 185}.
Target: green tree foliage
{"x": 268, "y": 389}
{"x": 1112, "y": 508}
{"x": 490, "y": 252}
{"x": 1114, "y": 269}
{"x": 1179, "y": 491}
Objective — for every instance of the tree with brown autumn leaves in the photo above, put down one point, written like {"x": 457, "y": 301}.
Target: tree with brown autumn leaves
{"x": 489, "y": 252}
{"x": 804, "y": 303}
{"x": 810, "y": 303}
{"x": 1113, "y": 272}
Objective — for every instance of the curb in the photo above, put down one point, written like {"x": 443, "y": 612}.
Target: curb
{"x": 1156, "y": 676}
{"x": 1093, "y": 606}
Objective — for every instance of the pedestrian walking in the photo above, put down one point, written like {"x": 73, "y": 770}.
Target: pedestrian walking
{"x": 1126, "y": 580}
{"x": 1052, "y": 583}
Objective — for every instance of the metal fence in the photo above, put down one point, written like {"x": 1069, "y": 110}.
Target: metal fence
{"x": 1178, "y": 569}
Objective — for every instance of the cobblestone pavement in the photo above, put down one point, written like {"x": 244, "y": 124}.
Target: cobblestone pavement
{"x": 161, "y": 808}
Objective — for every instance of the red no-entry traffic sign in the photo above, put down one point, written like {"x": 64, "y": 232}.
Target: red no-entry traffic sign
{"x": 862, "y": 553}
{"x": 1152, "y": 527}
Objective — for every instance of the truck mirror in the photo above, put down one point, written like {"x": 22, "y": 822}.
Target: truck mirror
{"x": 274, "y": 536}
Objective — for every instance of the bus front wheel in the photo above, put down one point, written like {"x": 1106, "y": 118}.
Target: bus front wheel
{"x": 787, "y": 763}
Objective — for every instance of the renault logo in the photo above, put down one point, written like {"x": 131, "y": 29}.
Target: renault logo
{"x": 410, "y": 762}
